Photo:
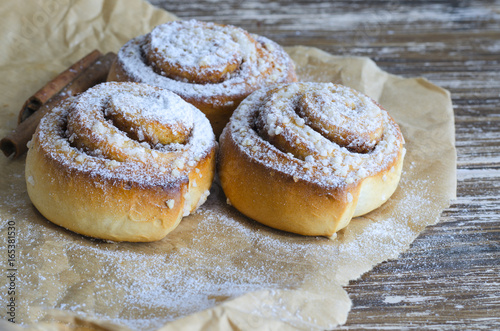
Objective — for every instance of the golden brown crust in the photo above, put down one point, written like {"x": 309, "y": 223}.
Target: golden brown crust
{"x": 276, "y": 198}
{"x": 102, "y": 198}
{"x": 276, "y": 188}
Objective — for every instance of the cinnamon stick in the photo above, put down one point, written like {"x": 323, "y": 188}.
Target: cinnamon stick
{"x": 14, "y": 144}
{"x": 56, "y": 85}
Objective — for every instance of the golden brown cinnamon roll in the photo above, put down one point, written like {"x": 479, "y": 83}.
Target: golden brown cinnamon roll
{"x": 212, "y": 66}
{"x": 122, "y": 161}
{"x": 307, "y": 157}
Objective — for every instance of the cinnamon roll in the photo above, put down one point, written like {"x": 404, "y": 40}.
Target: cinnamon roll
{"x": 122, "y": 162}
{"x": 308, "y": 157}
{"x": 212, "y": 66}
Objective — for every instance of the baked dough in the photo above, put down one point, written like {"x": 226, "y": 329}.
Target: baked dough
{"x": 122, "y": 162}
{"x": 308, "y": 157}
{"x": 212, "y": 66}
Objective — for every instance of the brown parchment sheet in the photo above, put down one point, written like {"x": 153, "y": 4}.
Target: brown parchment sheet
{"x": 218, "y": 270}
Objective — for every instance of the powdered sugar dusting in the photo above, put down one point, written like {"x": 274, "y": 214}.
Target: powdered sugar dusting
{"x": 305, "y": 152}
{"x": 213, "y": 256}
{"x": 156, "y": 108}
{"x": 79, "y": 137}
{"x": 216, "y": 44}
{"x": 260, "y": 61}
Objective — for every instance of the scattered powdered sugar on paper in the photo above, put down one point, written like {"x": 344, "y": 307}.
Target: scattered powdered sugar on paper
{"x": 213, "y": 256}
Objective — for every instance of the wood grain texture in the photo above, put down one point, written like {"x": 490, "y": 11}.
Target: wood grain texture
{"x": 449, "y": 279}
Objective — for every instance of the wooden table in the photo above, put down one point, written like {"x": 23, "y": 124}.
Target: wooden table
{"x": 450, "y": 277}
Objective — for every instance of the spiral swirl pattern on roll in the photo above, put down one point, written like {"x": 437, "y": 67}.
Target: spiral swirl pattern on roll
{"x": 212, "y": 66}
{"x": 122, "y": 161}
{"x": 315, "y": 155}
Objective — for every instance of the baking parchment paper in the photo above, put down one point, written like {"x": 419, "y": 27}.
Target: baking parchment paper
{"x": 218, "y": 269}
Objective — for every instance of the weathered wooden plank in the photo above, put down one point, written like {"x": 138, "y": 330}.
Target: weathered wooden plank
{"x": 449, "y": 278}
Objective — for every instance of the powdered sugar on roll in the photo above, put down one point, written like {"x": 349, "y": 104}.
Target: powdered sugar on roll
{"x": 310, "y": 154}
{"x": 316, "y": 141}
{"x": 210, "y": 65}
{"x": 199, "y": 53}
